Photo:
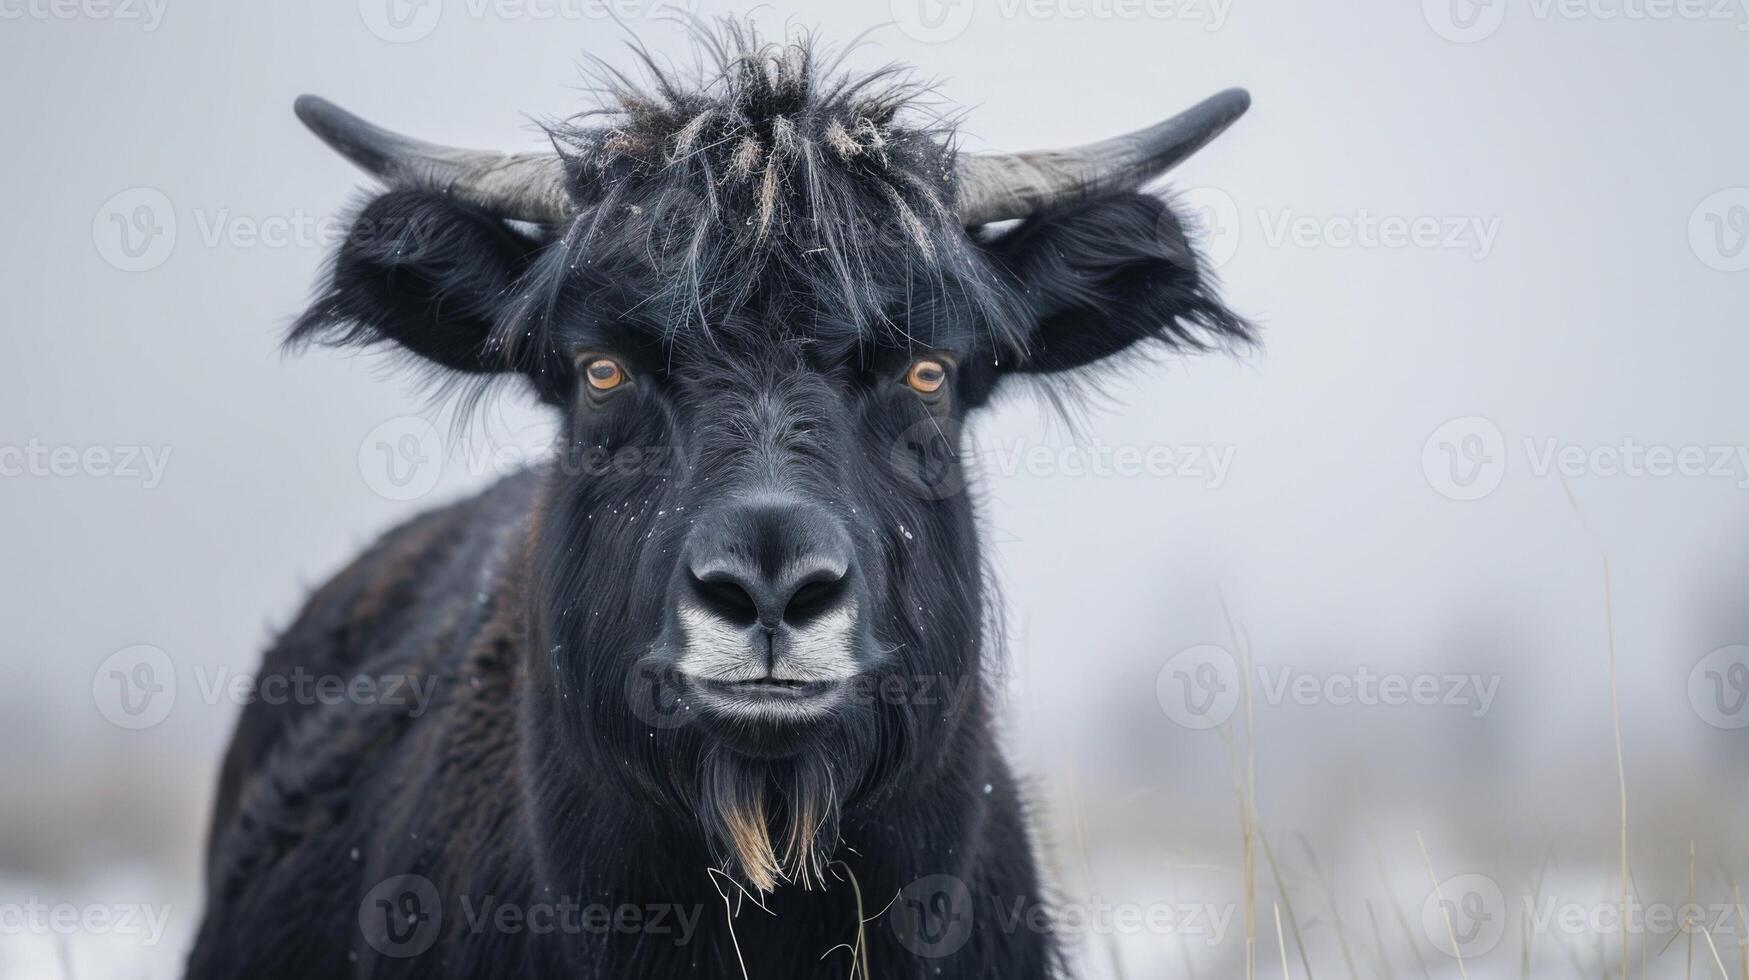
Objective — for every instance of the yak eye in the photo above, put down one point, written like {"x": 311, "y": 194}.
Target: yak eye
{"x": 604, "y": 374}
{"x": 927, "y": 376}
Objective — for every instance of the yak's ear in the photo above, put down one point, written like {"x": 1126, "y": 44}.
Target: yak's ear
{"x": 1104, "y": 275}
{"x": 425, "y": 272}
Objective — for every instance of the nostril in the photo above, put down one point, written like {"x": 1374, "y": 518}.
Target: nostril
{"x": 814, "y": 598}
{"x": 724, "y": 596}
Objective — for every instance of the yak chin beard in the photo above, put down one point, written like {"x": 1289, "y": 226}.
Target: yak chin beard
{"x": 775, "y": 821}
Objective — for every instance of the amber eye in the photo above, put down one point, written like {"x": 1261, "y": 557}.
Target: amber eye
{"x": 604, "y": 374}
{"x": 927, "y": 376}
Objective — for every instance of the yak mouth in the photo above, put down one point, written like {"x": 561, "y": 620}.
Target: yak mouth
{"x": 766, "y": 717}
{"x": 774, "y": 686}
{"x": 768, "y": 699}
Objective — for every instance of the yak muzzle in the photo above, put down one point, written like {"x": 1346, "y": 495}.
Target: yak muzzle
{"x": 769, "y": 606}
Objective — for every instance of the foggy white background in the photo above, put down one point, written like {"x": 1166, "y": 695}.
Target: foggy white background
{"x": 1593, "y": 158}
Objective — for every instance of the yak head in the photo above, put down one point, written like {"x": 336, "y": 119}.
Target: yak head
{"x": 763, "y": 298}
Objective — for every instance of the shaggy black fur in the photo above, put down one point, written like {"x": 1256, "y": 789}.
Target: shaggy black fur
{"x": 766, "y": 249}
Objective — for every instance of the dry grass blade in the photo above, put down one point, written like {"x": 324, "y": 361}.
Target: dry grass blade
{"x": 1245, "y": 789}
{"x": 729, "y": 915}
{"x": 1281, "y": 943}
{"x": 1247, "y": 858}
{"x": 1742, "y": 924}
{"x": 1444, "y": 909}
{"x": 1281, "y": 889}
{"x": 859, "y": 954}
{"x": 1719, "y": 962}
{"x": 1621, "y": 773}
{"x": 1527, "y": 952}
{"x": 1524, "y": 927}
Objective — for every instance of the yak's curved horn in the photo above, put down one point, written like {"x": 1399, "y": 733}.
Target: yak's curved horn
{"x": 998, "y": 186}
{"x": 520, "y": 186}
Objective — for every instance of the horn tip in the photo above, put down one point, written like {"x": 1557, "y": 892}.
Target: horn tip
{"x": 370, "y": 147}
{"x": 1235, "y": 100}
{"x": 313, "y": 110}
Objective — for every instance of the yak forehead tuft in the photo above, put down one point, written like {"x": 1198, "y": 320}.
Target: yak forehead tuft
{"x": 769, "y": 117}
{"x": 766, "y": 184}
{"x": 776, "y": 98}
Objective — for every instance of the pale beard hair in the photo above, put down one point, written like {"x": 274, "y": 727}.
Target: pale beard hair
{"x": 773, "y": 821}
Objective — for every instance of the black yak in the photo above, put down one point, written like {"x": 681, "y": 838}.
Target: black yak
{"x": 710, "y": 681}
